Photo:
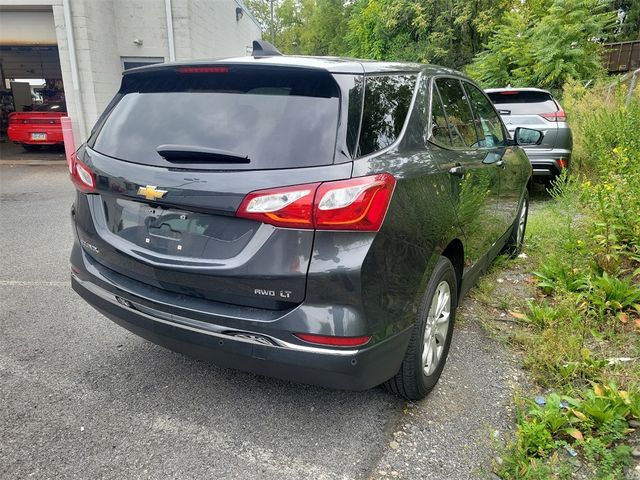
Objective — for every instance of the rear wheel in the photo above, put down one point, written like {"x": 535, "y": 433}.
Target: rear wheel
{"x": 431, "y": 336}
{"x": 514, "y": 245}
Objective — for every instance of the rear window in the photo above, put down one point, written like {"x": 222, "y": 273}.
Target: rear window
{"x": 51, "y": 107}
{"x": 514, "y": 102}
{"x": 256, "y": 117}
{"x": 386, "y": 103}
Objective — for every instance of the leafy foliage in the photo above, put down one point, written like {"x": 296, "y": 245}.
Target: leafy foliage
{"x": 434, "y": 31}
{"x": 592, "y": 424}
{"x": 537, "y": 42}
{"x": 545, "y": 45}
{"x": 580, "y": 335}
{"x": 629, "y": 29}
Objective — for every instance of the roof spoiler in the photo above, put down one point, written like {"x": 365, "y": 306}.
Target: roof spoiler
{"x": 262, "y": 48}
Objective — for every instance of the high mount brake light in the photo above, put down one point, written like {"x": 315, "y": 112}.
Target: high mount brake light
{"x": 332, "y": 341}
{"x": 355, "y": 204}
{"x": 81, "y": 176}
{"x": 559, "y": 116}
{"x": 203, "y": 70}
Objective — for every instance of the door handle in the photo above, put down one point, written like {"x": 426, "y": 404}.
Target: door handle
{"x": 458, "y": 170}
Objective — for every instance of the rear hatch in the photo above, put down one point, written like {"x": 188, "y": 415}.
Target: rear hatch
{"x": 529, "y": 109}
{"x": 175, "y": 155}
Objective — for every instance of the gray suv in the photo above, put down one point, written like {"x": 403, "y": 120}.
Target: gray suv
{"x": 537, "y": 109}
{"x": 313, "y": 219}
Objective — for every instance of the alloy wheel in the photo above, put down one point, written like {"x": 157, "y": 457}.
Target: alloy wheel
{"x": 436, "y": 328}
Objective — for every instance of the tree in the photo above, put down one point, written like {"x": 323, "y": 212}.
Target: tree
{"x": 629, "y": 28}
{"x": 506, "y": 61}
{"x": 545, "y": 44}
{"x": 446, "y": 32}
{"x": 308, "y": 27}
{"x": 261, "y": 9}
{"x": 565, "y": 42}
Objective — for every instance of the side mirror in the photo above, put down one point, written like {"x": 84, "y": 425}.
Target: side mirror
{"x": 527, "y": 136}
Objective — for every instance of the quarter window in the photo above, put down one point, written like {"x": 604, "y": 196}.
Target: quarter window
{"x": 386, "y": 104}
{"x": 487, "y": 122}
{"x": 460, "y": 119}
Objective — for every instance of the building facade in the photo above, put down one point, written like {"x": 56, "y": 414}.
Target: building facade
{"x": 84, "y": 45}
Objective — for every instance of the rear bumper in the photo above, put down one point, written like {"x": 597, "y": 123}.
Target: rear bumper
{"x": 350, "y": 369}
{"x": 22, "y": 134}
{"x": 548, "y": 164}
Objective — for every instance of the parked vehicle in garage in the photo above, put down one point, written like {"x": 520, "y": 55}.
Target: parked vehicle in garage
{"x": 306, "y": 218}
{"x": 538, "y": 109}
{"x": 41, "y": 126}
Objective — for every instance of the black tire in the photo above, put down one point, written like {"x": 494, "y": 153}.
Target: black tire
{"x": 31, "y": 148}
{"x": 411, "y": 381}
{"x": 514, "y": 245}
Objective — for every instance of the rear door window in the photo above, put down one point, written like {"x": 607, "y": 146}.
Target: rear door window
{"x": 257, "y": 117}
{"x": 386, "y": 104}
{"x": 456, "y": 106}
{"x": 488, "y": 124}
{"x": 514, "y": 102}
{"x": 439, "y": 129}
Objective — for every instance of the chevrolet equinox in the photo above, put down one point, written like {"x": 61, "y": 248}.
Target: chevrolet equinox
{"x": 313, "y": 219}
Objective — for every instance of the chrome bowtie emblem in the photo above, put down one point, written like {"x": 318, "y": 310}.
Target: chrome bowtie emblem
{"x": 151, "y": 193}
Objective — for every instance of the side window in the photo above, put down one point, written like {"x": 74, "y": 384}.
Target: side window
{"x": 386, "y": 104}
{"x": 487, "y": 122}
{"x": 439, "y": 128}
{"x": 461, "y": 127}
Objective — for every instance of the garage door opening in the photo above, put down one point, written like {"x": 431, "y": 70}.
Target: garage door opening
{"x": 32, "y": 95}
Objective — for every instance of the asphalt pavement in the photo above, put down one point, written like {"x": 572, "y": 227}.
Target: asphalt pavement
{"x": 81, "y": 397}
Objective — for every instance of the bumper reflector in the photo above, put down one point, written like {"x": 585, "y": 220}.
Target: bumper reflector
{"x": 332, "y": 341}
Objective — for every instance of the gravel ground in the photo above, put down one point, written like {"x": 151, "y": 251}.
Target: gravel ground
{"x": 453, "y": 432}
{"x": 82, "y": 398}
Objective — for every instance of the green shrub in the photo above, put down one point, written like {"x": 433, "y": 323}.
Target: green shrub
{"x": 584, "y": 249}
{"x": 590, "y": 425}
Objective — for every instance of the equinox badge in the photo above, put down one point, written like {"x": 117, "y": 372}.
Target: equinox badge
{"x": 150, "y": 193}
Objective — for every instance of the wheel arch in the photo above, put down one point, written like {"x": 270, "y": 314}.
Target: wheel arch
{"x": 454, "y": 251}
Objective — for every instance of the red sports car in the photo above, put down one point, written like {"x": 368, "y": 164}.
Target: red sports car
{"x": 38, "y": 127}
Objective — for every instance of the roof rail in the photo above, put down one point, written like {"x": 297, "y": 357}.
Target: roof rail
{"x": 262, "y": 48}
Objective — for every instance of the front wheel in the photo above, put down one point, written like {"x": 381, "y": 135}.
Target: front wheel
{"x": 514, "y": 245}
{"x": 431, "y": 337}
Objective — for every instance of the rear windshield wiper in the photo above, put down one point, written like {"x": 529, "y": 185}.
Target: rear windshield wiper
{"x": 188, "y": 153}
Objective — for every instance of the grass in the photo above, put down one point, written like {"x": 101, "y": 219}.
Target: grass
{"x": 579, "y": 330}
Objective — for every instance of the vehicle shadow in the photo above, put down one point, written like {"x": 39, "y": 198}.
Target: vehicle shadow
{"x": 171, "y": 393}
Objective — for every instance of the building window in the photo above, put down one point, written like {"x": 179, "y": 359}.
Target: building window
{"x": 134, "y": 62}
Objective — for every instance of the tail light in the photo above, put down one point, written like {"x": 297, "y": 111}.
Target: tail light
{"x": 558, "y": 116}
{"x": 81, "y": 176}
{"x": 562, "y": 163}
{"x": 283, "y": 207}
{"x": 332, "y": 341}
{"x": 354, "y": 204}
